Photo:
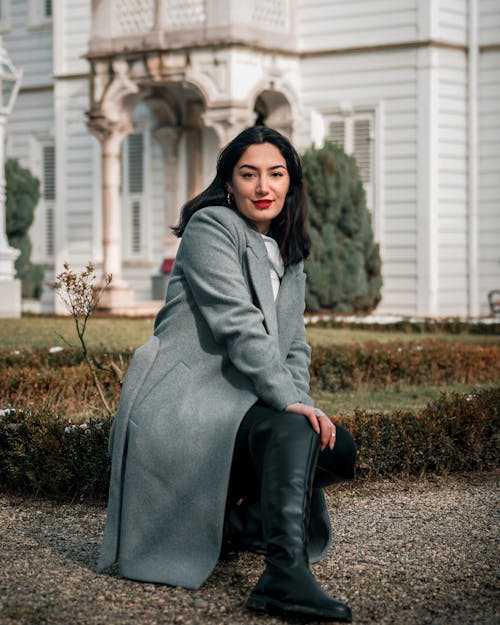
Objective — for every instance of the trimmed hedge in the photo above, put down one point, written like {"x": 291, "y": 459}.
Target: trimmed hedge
{"x": 456, "y": 433}
{"x": 42, "y": 454}
{"x": 386, "y": 364}
{"x": 411, "y": 326}
{"x": 61, "y": 380}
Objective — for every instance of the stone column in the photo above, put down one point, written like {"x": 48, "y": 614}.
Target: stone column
{"x": 10, "y": 287}
{"x": 111, "y": 136}
{"x": 168, "y": 137}
{"x": 194, "y": 147}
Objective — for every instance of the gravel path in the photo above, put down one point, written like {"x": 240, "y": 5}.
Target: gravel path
{"x": 406, "y": 553}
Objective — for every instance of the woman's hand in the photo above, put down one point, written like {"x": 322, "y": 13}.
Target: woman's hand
{"x": 320, "y": 423}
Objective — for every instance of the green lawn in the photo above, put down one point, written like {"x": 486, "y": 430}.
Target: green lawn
{"x": 413, "y": 398}
{"x": 125, "y": 333}
{"x": 46, "y": 332}
{"x": 340, "y": 336}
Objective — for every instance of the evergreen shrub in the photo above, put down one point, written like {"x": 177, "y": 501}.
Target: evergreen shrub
{"x": 344, "y": 268}
{"x": 21, "y": 196}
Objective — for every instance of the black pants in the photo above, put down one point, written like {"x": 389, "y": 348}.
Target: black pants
{"x": 336, "y": 465}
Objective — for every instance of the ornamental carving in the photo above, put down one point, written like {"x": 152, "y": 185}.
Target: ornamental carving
{"x": 133, "y": 17}
{"x": 184, "y": 13}
{"x": 271, "y": 14}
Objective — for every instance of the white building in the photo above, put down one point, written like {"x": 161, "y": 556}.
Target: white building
{"x": 412, "y": 87}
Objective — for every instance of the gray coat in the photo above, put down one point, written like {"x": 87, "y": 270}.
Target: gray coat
{"x": 220, "y": 343}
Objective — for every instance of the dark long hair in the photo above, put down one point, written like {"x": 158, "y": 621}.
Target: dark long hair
{"x": 289, "y": 227}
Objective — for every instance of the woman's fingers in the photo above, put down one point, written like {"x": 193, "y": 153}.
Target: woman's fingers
{"x": 333, "y": 436}
{"x": 314, "y": 421}
{"x": 320, "y": 423}
{"x": 308, "y": 412}
{"x": 327, "y": 432}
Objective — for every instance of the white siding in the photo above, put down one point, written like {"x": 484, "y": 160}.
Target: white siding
{"x": 72, "y": 31}
{"x": 29, "y": 47}
{"x": 452, "y": 21}
{"x": 489, "y": 175}
{"x": 325, "y": 25}
{"x": 374, "y": 79}
{"x": 489, "y": 22}
{"x": 74, "y": 144}
{"x": 452, "y": 183}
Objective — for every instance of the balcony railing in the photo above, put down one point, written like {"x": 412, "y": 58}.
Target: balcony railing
{"x": 127, "y": 25}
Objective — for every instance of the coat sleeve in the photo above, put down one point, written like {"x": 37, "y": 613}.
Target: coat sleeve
{"x": 298, "y": 358}
{"x": 212, "y": 269}
{"x": 297, "y": 362}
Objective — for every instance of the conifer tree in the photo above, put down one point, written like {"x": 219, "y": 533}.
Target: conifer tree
{"x": 344, "y": 268}
{"x": 21, "y": 196}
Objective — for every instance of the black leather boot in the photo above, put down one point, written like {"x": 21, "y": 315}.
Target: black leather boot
{"x": 285, "y": 457}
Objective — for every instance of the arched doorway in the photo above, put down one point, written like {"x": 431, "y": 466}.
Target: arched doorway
{"x": 273, "y": 109}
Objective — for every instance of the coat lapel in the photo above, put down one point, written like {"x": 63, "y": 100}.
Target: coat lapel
{"x": 258, "y": 267}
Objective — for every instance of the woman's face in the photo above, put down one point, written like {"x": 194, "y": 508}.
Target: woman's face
{"x": 260, "y": 183}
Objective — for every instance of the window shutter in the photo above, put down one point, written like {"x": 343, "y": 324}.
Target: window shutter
{"x": 49, "y": 172}
{"x": 336, "y": 133}
{"x": 362, "y": 149}
{"x": 136, "y": 227}
{"x": 135, "y": 188}
{"x": 49, "y": 196}
{"x": 136, "y": 163}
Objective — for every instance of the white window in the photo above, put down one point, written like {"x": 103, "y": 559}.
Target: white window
{"x": 133, "y": 185}
{"x": 49, "y": 197}
{"x": 355, "y": 134}
{"x": 40, "y": 13}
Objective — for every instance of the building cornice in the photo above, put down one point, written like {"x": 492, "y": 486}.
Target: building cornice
{"x": 402, "y": 45}
{"x": 492, "y": 47}
{"x": 205, "y": 47}
{"x": 37, "y": 88}
{"x": 297, "y": 54}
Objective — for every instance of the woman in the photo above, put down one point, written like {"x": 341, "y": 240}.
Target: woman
{"x": 216, "y": 440}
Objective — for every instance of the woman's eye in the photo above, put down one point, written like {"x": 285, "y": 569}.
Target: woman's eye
{"x": 247, "y": 174}
{"x": 277, "y": 174}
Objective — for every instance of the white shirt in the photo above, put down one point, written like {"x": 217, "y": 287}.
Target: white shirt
{"x": 276, "y": 265}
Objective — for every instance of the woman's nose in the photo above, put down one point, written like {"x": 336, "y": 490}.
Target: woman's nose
{"x": 263, "y": 185}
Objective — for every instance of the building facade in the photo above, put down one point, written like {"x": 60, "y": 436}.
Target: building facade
{"x": 125, "y": 104}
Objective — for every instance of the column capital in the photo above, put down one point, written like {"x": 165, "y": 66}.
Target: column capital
{"x": 110, "y": 133}
{"x": 228, "y": 121}
{"x": 168, "y": 137}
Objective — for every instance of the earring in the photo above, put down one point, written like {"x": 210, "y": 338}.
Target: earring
{"x": 228, "y": 198}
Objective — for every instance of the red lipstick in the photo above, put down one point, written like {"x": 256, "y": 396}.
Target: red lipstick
{"x": 263, "y": 203}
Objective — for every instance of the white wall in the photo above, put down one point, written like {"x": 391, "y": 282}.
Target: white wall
{"x": 327, "y": 24}
{"x": 372, "y": 80}
{"x": 71, "y": 34}
{"x": 489, "y": 150}
{"x": 29, "y": 45}
{"x": 452, "y": 182}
